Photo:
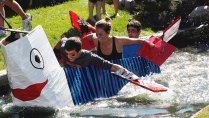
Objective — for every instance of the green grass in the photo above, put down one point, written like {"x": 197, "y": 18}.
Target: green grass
{"x": 204, "y": 113}
{"x": 55, "y": 20}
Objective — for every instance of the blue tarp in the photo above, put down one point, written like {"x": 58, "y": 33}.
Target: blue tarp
{"x": 87, "y": 84}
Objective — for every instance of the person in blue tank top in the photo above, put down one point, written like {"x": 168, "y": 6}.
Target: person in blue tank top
{"x": 133, "y": 30}
{"x": 110, "y": 47}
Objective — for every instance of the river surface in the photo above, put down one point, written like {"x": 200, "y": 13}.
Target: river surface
{"x": 185, "y": 73}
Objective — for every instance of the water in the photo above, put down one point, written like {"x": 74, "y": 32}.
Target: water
{"x": 185, "y": 73}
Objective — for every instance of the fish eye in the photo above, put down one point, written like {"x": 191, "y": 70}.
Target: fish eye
{"x": 36, "y": 59}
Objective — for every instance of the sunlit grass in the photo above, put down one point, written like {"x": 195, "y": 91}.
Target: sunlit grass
{"x": 204, "y": 113}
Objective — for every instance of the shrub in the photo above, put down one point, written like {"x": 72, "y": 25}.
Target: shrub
{"x": 158, "y": 14}
{"x": 155, "y": 14}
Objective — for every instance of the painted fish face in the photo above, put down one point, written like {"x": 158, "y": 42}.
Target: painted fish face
{"x": 35, "y": 75}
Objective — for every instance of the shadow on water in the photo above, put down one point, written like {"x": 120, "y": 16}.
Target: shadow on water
{"x": 28, "y": 112}
{"x": 138, "y": 112}
{"x": 4, "y": 90}
{"x": 201, "y": 47}
{"x": 133, "y": 107}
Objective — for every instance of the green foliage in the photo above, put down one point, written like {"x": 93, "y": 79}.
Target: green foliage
{"x": 156, "y": 15}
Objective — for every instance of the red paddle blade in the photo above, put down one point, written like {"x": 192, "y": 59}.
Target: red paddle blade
{"x": 149, "y": 85}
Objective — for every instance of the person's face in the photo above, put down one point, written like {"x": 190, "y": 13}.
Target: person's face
{"x": 133, "y": 32}
{"x": 72, "y": 55}
{"x": 101, "y": 34}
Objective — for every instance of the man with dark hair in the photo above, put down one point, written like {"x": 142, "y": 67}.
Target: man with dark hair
{"x": 133, "y": 28}
{"x": 75, "y": 56}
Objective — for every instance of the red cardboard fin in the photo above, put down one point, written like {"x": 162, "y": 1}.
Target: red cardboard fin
{"x": 74, "y": 20}
{"x": 171, "y": 30}
{"x": 158, "y": 53}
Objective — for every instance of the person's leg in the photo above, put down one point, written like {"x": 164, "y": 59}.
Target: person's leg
{"x": 91, "y": 11}
{"x": 3, "y": 14}
{"x": 2, "y": 32}
{"x": 116, "y": 7}
{"x": 16, "y": 7}
{"x": 98, "y": 9}
{"x": 104, "y": 9}
{"x": 26, "y": 18}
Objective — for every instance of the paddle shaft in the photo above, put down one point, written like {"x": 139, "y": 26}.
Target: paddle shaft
{"x": 10, "y": 27}
{"x": 6, "y": 21}
{"x": 13, "y": 30}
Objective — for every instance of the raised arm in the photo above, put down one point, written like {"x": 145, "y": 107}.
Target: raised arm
{"x": 115, "y": 68}
{"x": 129, "y": 41}
{"x": 91, "y": 37}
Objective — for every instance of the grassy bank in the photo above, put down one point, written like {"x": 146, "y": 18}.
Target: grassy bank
{"x": 204, "y": 113}
{"x": 55, "y": 20}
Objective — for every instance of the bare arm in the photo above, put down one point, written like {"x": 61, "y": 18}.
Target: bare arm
{"x": 117, "y": 69}
{"x": 129, "y": 41}
{"x": 92, "y": 37}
